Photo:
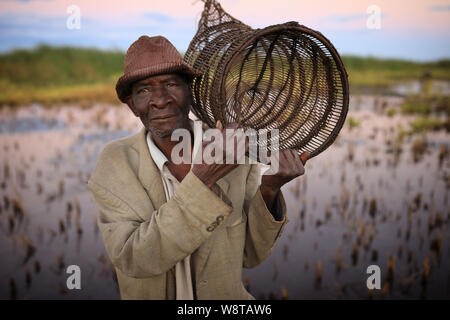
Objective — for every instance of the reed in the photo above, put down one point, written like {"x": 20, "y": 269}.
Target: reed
{"x": 436, "y": 245}
{"x": 11, "y": 223}
{"x": 37, "y": 266}
{"x": 373, "y": 207}
{"x": 30, "y": 248}
{"x": 339, "y": 263}
{"x": 284, "y": 294}
{"x": 60, "y": 264}
{"x": 61, "y": 188}
{"x": 442, "y": 154}
{"x": 6, "y": 202}
{"x": 354, "y": 255}
{"x": 425, "y": 272}
{"x": 39, "y": 188}
{"x": 418, "y": 148}
{"x": 62, "y": 227}
{"x": 374, "y": 256}
{"x": 12, "y": 289}
{"x": 319, "y": 273}
{"x": 18, "y": 210}
{"x": 76, "y": 218}
{"x": 28, "y": 278}
{"x": 390, "y": 269}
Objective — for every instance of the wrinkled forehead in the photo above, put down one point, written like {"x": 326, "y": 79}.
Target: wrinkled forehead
{"x": 160, "y": 78}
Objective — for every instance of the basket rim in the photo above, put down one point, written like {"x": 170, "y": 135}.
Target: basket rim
{"x": 295, "y": 26}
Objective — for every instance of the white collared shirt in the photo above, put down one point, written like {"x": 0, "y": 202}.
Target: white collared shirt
{"x": 183, "y": 277}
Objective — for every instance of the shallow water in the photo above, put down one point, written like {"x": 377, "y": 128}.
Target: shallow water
{"x": 437, "y": 87}
{"x": 47, "y": 155}
{"x": 330, "y": 212}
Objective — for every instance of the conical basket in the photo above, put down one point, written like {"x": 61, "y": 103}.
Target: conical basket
{"x": 286, "y": 77}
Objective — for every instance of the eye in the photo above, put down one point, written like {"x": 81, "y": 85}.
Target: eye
{"x": 171, "y": 84}
{"x": 142, "y": 90}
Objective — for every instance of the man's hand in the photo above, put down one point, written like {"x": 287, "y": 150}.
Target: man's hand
{"x": 291, "y": 165}
{"x": 210, "y": 173}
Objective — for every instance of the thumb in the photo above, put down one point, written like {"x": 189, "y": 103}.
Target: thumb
{"x": 219, "y": 125}
{"x": 304, "y": 157}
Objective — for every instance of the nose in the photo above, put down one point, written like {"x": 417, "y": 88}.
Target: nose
{"x": 160, "y": 98}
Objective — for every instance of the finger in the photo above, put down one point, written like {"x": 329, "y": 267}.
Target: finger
{"x": 293, "y": 164}
{"x": 238, "y": 137}
{"x": 219, "y": 125}
{"x": 296, "y": 164}
{"x": 282, "y": 155}
{"x": 232, "y": 125}
{"x": 292, "y": 156}
{"x": 304, "y": 157}
{"x": 285, "y": 161}
{"x": 229, "y": 132}
{"x": 299, "y": 163}
{"x": 247, "y": 144}
{"x": 241, "y": 143}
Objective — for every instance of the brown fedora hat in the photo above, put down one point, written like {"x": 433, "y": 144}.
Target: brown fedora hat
{"x": 150, "y": 56}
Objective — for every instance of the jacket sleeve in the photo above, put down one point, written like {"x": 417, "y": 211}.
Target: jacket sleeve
{"x": 142, "y": 248}
{"x": 262, "y": 229}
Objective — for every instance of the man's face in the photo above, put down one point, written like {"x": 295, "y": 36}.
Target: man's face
{"x": 162, "y": 103}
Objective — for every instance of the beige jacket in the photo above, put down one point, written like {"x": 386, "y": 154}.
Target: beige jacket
{"x": 224, "y": 229}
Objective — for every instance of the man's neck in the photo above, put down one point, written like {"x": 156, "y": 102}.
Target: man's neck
{"x": 165, "y": 144}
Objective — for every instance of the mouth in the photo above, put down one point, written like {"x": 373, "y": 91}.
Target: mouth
{"x": 163, "y": 117}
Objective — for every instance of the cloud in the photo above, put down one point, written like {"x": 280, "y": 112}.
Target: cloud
{"x": 117, "y": 24}
{"x": 439, "y": 8}
{"x": 347, "y": 18}
{"x": 28, "y": 30}
{"x": 344, "y": 19}
{"x": 157, "y": 17}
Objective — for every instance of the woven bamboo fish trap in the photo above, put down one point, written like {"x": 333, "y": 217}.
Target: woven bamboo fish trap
{"x": 286, "y": 77}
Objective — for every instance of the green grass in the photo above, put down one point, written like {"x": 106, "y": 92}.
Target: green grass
{"x": 375, "y": 72}
{"x": 56, "y": 75}
{"x": 50, "y": 75}
{"x": 353, "y": 123}
{"x": 50, "y": 66}
{"x": 426, "y": 123}
{"x": 391, "y": 112}
{"x": 416, "y": 107}
{"x": 426, "y": 104}
{"x": 80, "y": 94}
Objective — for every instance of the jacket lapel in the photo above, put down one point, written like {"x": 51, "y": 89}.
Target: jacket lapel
{"x": 151, "y": 180}
{"x": 149, "y": 173}
{"x": 150, "y": 177}
{"x": 223, "y": 184}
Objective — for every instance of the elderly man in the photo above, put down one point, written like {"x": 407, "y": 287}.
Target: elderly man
{"x": 180, "y": 231}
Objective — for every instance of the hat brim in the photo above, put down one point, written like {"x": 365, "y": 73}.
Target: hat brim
{"x": 123, "y": 85}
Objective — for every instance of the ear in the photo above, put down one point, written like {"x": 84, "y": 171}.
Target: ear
{"x": 130, "y": 104}
{"x": 190, "y": 101}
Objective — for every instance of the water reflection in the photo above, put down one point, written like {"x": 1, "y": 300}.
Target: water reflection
{"x": 371, "y": 198}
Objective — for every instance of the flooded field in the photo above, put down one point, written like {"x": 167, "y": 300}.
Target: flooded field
{"x": 377, "y": 196}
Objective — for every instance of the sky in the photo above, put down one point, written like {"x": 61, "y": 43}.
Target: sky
{"x": 407, "y": 29}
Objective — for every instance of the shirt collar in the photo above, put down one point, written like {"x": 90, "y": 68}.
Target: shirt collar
{"x": 158, "y": 156}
